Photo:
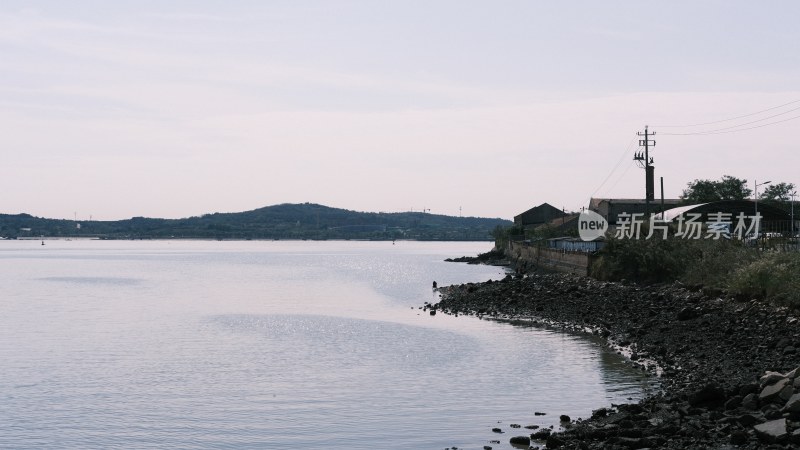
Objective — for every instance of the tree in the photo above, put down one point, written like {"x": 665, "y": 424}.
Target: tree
{"x": 727, "y": 188}
{"x": 779, "y": 192}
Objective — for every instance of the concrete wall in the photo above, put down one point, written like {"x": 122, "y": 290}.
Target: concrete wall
{"x": 525, "y": 257}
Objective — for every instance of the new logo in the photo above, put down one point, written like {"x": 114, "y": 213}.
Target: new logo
{"x": 591, "y": 225}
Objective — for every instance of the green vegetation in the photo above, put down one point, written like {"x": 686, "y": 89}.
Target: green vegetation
{"x": 777, "y": 193}
{"x": 704, "y": 191}
{"x": 722, "y": 265}
{"x": 286, "y": 221}
{"x": 732, "y": 188}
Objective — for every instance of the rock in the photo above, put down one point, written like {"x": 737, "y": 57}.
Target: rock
{"x": 541, "y": 434}
{"x": 739, "y": 437}
{"x": 750, "y": 388}
{"x": 749, "y": 419}
{"x": 750, "y": 401}
{"x": 733, "y": 402}
{"x": 539, "y": 413}
{"x": 792, "y": 374}
{"x": 553, "y": 441}
{"x": 772, "y": 391}
{"x": 521, "y": 440}
{"x": 772, "y": 431}
{"x": 710, "y": 395}
{"x": 487, "y": 447}
{"x": 793, "y": 404}
{"x": 564, "y": 418}
{"x": 634, "y": 442}
{"x": 770, "y": 378}
{"x": 795, "y": 437}
{"x": 496, "y": 430}
{"x": 789, "y": 350}
{"x": 787, "y": 392}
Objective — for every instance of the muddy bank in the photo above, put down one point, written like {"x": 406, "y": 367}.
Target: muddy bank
{"x": 710, "y": 352}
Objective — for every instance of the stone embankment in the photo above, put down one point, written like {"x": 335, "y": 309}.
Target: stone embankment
{"x": 728, "y": 368}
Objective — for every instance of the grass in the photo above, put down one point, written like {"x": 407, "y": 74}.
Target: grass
{"x": 742, "y": 271}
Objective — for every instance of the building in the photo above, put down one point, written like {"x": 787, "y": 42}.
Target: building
{"x": 611, "y": 208}
{"x": 538, "y": 215}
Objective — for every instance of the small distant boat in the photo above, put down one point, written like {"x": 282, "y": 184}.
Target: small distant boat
{"x": 42, "y": 242}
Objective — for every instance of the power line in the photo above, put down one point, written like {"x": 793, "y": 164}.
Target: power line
{"x": 727, "y": 120}
{"x": 621, "y": 158}
{"x": 633, "y": 163}
{"x": 751, "y": 122}
{"x": 720, "y": 131}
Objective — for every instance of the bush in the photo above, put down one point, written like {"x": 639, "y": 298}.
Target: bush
{"x": 773, "y": 276}
{"x": 744, "y": 272}
{"x": 644, "y": 261}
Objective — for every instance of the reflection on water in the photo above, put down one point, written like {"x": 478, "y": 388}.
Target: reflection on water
{"x": 280, "y": 345}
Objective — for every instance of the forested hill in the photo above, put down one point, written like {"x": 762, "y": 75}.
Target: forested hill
{"x": 285, "y": 221}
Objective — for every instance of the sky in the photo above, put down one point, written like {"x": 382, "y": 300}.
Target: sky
{"x": 110, "y": 110}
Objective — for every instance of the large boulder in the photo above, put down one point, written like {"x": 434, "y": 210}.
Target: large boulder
{"x": 773, "y": 391}
{"x": 750, "y": 401}
{"x": 770, "y": 378}
{"x": 793, "y": 404}
{"x": 772, "y": 431}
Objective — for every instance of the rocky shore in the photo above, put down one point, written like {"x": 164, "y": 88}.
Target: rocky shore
{"x": 490, "y": 258}
{"x": 727, "y": 366}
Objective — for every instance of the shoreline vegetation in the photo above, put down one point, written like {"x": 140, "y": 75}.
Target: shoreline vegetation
{"x": 721, "y": 333}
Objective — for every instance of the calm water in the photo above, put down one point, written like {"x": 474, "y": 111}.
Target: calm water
{"x": 278, "y": 345}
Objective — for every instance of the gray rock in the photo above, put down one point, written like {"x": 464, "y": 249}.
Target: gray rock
{"x": 772, "y": 431}
{"x": 634, "y": 442}
{"x": 795, "y": 437}
{"x": 750, "y": 401}
{"x": 786, "y": 392}
{"x": 749, "y": 419}
{"x": 769, "y": 378}
{"x": 792, "y": 374}
{"x": 793, "y": 404}
{"x": 772, "y": 391}
{"x": 733, "y": 402}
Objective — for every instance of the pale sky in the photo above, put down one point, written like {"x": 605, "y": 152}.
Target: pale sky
{"x": 172, "y": 109}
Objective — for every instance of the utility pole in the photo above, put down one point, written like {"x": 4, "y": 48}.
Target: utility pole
{"x": 792, "y": 225}
{"x": 646, "y": 162}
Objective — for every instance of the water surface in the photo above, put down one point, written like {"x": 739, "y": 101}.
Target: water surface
{"x": 276, "y": 345}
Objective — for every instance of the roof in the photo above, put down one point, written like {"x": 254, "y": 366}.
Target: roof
{"x": 733, "y": 207}
{"x": 542, "y": 206}
{"x": 595, "y": 202}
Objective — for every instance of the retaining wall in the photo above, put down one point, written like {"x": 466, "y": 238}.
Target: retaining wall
{"x": 525, "y": 256}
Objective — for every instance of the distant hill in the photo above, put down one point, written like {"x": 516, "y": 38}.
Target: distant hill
{"x": 285, "y": 221}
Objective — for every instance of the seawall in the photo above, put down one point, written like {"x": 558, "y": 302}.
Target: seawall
{"x": 524, "y": 257}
